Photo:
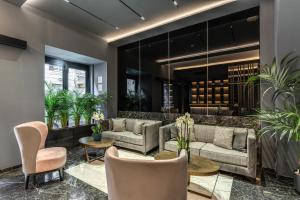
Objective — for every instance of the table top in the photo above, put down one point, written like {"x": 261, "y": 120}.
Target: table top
{"x": 89, "y": 142}
{"x": 198, "y": 166}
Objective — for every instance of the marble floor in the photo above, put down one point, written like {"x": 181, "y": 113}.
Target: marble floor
{"x": 49, "y": 187}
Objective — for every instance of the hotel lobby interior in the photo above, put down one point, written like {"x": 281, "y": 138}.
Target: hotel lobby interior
{"x": 149, "y": 100}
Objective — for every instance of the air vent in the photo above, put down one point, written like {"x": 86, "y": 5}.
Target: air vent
{"x": 13, "y": 42}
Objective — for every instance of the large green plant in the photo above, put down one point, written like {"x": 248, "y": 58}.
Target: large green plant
{"x": 282, "y": 81}
{"x": 77, "y": 107}
{"x": 51, "y": 104}
{"x": 90, "y": 102}
{"x": 64, "y": 105}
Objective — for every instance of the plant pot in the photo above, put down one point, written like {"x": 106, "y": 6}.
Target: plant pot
{"x": 97, "y": 137}
{"x": 297, "y": 181}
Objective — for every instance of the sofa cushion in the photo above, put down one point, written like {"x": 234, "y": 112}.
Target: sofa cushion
{"x": 130, "y": 124}
{"x": 125, "y": 136}
{"x": 220, "y": 154}
{"x": 240, "y": 139}
{"x": 194, "y": 146}
{"x": 204, "y": 133}
{"x": 223, "y": 137}
{"x": 119, "y": 125}
{"x": 138, "y": 127}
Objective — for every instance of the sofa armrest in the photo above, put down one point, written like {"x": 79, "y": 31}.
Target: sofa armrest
{"x": 252, "y": 152}
{"x": 150, "y": 135}
{"x": 164, "y": 135}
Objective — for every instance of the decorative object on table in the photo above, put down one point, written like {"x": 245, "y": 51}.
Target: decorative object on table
{"x": 89, "y": 142}
{"x": 185, "y": 125}
{"x": 98, "y": 117}
{"x": 282, "y": 118}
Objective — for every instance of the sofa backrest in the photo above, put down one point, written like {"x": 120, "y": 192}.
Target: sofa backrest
{"x": 206, "y": 133}
{"x": 130, "y": 123}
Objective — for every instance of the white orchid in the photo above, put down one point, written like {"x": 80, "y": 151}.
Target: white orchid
{"x": 98, "y": 116}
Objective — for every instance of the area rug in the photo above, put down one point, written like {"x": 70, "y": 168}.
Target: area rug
{"x": 94, "y": 175}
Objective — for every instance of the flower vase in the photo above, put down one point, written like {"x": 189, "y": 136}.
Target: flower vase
{"x": 97, "y": 137}
{"x": 188, "y": 155}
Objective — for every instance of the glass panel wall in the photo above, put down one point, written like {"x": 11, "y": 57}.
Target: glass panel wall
{"x": 201, "y": 69}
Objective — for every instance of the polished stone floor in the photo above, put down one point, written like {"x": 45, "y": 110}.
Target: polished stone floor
{"x": 49, "y": 187}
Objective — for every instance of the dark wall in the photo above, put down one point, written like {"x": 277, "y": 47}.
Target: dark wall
{"x": 280, "y": 32}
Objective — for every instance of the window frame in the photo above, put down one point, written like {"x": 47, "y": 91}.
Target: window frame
{"x": 66, "y": 65}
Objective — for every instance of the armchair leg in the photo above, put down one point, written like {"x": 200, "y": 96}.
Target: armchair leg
{"x": 27, "y": 177}
{"x": 61, "y": 174}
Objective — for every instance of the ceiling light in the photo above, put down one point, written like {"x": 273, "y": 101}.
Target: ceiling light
{"x": 163, "y": 21}
{"x": 117, "y": 28}
{"x": 209, "y": 52}
{"x": 132, "y": 10}
{"x": 175, "y": 3}
{"x": 218, "y": 63}
{"x": 91, "y": 14}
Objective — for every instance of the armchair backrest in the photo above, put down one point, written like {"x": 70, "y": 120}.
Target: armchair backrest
{"x": 129, "y": 179}
{"x": 31, "y": 137}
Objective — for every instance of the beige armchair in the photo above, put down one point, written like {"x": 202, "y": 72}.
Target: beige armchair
{"x": 129, "y": 179}
{"x": 36, "y": 158}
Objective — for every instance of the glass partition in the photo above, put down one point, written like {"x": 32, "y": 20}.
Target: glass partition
{"x": 201, "y": 69}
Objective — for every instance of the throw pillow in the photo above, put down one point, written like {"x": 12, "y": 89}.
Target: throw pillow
{"x": 223, "y": 137}
{"x": 118, "y": 125}
{"x": 240, "y": 139}
{"x": 138, "y": 127}
{"x": 174, "y": 132}
{"x": 130, "y": 124}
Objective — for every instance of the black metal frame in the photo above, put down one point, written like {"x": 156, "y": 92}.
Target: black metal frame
{"x": 66, "y": 66}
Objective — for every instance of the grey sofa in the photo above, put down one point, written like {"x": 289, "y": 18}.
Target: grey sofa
{"x": 243, "y": 163}
{"x": 127, "y": 139}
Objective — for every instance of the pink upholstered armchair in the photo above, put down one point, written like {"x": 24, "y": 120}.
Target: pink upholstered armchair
{"x": 36, "y": 158}
{"x": 129, "y": 179}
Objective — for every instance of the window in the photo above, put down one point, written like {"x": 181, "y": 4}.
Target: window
{"x": 67, "y": 75}
{"x": 54, "y": 75}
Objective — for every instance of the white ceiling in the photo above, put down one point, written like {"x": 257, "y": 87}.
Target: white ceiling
{"x": 114, "y": 12}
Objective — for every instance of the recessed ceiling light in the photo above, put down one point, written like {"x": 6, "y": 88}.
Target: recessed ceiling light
{"x": 67, "y": 1}
{"x": 117, "y": 28}
{"x": 175, "y": 3}
{"x": 163, "y": 21}
{"x": 143, "y": 18}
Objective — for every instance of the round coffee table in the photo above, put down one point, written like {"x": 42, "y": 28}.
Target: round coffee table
{"x": 88, "y": 142}
{"x": 198, "y": 166}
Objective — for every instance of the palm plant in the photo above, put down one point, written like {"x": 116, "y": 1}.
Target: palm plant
{"x": 77, "y": 107}
{"x": 283, "y": 81}
{"x": 64, "y": 105}
{"x": 89, "y": 104}
{"x": 51, "y": 104}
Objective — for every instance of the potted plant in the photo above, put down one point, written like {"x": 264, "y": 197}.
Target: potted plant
{"x": 64, "y": 105}
{"x": 89, "y": 104}
{"x": 51, "y": 105}
{"x": 281, "y": 120}
{"x": 77, "y": 109}
{"x": 97, "y": 129}
{"x": 184, "y": 124}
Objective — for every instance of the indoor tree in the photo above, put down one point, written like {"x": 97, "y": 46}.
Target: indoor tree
{"x": 51, "y": 104}
{"x": 282, "y": 82}
{"x": 90, "y": 102}
{"x": 77, "y": 109}
{"x": 64, "y": 105}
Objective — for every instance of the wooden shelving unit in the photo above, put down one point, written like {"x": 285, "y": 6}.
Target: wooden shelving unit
{"x": 213, "y": 93}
